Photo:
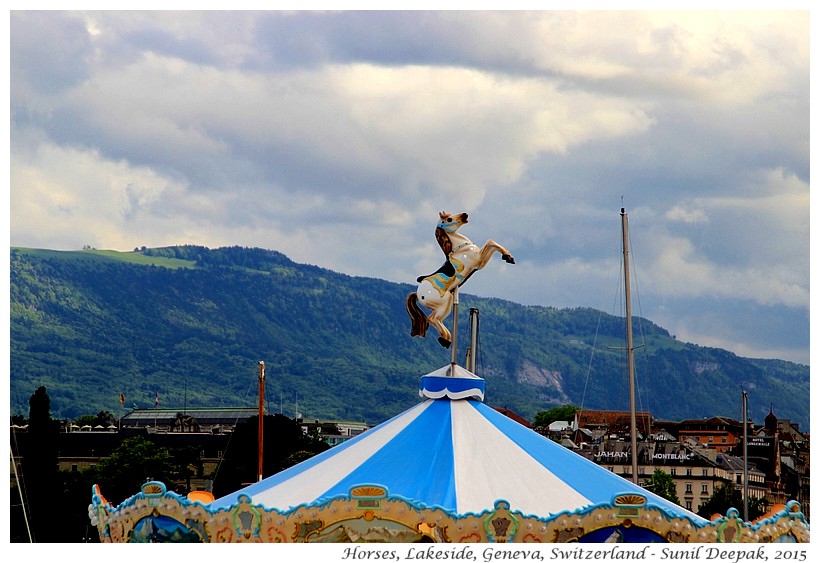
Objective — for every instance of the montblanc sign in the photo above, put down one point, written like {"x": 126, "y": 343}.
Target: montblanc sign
{"x": 680, "y": 456}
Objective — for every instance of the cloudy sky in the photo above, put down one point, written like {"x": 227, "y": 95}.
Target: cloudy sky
{"x": 336, "y": 137}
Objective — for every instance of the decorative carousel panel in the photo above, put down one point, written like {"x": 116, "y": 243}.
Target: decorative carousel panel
{"x": 370, "y": 514}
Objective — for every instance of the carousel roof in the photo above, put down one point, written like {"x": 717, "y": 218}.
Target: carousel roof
{"x": 451, "y": 451}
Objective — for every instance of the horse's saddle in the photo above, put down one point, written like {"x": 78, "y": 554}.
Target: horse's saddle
{"x": 447, "y": 269}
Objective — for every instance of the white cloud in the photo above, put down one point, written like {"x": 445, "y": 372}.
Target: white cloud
{"x": 65, "y": 198}
{"x": 337, "y": 142}
{"x": 686, "y": 215}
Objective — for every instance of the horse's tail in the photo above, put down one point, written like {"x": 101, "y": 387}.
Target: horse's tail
{"x": 418, "y": 319}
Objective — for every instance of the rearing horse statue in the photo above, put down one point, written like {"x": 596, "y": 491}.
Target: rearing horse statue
{"x": 435, "y": 291}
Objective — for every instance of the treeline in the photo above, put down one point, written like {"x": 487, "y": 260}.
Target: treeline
{"x": 231, "y": 256}
{"x": 90, "y": 325}
{"x": 49, "y": 505}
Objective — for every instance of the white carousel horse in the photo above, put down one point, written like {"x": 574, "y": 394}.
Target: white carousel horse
{"x": 435, "y": 291}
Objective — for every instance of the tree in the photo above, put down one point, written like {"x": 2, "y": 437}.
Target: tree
{"x": 298, "y": 457}
{"x": 545, "y": 418}
{"x": 727, "y": 496}
{"x": 133, "y": 463}
{"x": 285, "y": 444}
{"x": 103, "y": 418}
{"x": 72, "y": 509}
{"x": 663, "y": 485}
{"x": 86, "y": 420}
{"x": 39, "y": 480}
{"x": 106, "y": 419}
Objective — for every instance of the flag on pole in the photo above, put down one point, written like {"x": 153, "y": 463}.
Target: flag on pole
{"x": 122, "y": 399}
{"x": 156, "y": 400}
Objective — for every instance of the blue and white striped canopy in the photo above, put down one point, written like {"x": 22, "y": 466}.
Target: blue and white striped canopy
{"x": 453, "y": 453}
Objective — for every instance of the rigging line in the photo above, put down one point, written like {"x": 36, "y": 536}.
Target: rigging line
{"x": 21, "y": 492}
{"x": 740, "y": 406}
{"x": 253, "y": 384}
{"x": 591, "y": 358}
{"x": 620, "y": 300}
{"x": 601, "y": 310}
{"x": 268, "y": 390}
{"x": 644, "y": 350}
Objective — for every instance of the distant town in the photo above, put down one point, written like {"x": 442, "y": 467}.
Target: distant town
{"x": 700, "y": 455}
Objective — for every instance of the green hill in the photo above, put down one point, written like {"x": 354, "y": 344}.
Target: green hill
{"x": 192, "y": 323}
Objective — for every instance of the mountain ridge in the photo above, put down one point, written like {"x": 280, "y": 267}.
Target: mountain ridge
{"x": 191, "y": 324}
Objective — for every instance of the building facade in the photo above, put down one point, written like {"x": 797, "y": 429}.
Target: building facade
{"x": 699, "y": 454}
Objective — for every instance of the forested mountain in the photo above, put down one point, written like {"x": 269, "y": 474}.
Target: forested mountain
{"x": 190, "y": 324}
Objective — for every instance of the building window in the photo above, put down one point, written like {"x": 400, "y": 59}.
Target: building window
{"x": 704, "y": 488}
{"x": 723, "y": 439}
{"x": 688, "y": 505}
{"x": 688, "y": 487}
{"x": 711, "y": 439}
{"x": 673, "y": 471}
{"x": 705, "y": 472}
{"x": 74, "y": 467}
{"x": 689, "y": 471}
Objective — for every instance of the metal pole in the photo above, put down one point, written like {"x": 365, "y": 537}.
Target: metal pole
{"x": 473, "y": 339}
{"x": 454, "y": 343}
{"x": 629, "y": 349}
{"x": 261, "y": 415}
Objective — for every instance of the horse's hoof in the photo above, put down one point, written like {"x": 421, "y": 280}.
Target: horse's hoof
{"x": 508, "y": 258}
{"x": 444, "y": 342}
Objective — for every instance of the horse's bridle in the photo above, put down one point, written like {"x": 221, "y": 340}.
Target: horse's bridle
{"x": 443, "y": 225}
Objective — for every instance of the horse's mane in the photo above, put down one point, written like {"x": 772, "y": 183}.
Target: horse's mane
{"x": 444, "y": 241}
{"x": 447, "y": 247}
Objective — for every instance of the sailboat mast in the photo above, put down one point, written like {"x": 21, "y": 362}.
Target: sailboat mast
{"x": 745, "y": 457}
{"x": 629, "y": 348}
{"x": 261, "y": 415}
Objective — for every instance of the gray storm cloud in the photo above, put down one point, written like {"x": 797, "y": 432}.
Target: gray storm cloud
{"x": 281, "y": 129}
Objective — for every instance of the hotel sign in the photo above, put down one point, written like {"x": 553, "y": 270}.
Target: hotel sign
{"x": 760, "y": 442}
{"x": 624, "y": 456}
{"x": 611, "y": 456}
{"x": 679, "y": 456}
